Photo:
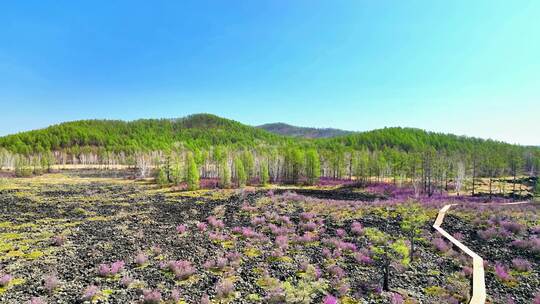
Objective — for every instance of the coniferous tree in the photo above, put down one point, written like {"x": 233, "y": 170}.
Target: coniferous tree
{"x": 161, "y": 177}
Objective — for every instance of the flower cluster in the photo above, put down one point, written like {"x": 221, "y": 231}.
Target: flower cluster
{"x": 110, "y": 270}
{"x": 151, "y": 296}
{"x": 181, "y": 269}
{"x": 5, "y": 280}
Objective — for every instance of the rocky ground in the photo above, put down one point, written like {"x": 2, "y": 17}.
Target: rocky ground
{"x": 65, "y": 227}
{"x": 522, "y": 286}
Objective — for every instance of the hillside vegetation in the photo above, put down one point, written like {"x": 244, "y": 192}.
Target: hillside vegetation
{"x": 294, "y": 131}
{"x": 212, "y": 147}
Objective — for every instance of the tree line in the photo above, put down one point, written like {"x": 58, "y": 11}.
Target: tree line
{"x": 206, "y": 146}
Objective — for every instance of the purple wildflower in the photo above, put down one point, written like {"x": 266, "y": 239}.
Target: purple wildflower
{"x": 224, "y": 289}
{"x": 151, "y": 296}
{"x": 181, "y": 229}
{"x": 537, "y": 298}
{"x": 90, "y": 292}
{"x": 330, "y": 299}
{"x": 396, "y": 298}
{"x": 502, "y": 273}
{"x": 202, "y": 226}
{"x": 513, "y": 227}
{"x": 109, "y": 270}
{"x": 36, "y": 300}
{"x": 181, "y": 269}
{"x": 5, "y": 280}
{"x": 205, "y": 299}
{"x": 441, "y": 245}
{"x": 357, "y": 228}
{"x": 50, "y": 283}
{"x": 363, "y": 259}
{"x": 126, "y": 281}
{"x": 141, "y": 259}
{"x": 175, "y": 295}
{"x": 521, "y": 265}
{"x": 282, "y": 242}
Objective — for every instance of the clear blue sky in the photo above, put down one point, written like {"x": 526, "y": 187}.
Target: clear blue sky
{"x": 464, "y": 67}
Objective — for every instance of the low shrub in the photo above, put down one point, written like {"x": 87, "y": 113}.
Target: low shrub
{"x": 90, "y": 292}
{"x": 5, "y": 280}
{"x": 521, "y": 265}
{"x": 109, "y": 270}
{"x": 151, "y": 296}
{"x": 50, "y": 283}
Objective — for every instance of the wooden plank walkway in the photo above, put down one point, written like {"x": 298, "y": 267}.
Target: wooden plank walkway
{"x": 478, "y": 282}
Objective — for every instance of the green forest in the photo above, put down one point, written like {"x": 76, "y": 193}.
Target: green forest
{"x": 208, "y": 146}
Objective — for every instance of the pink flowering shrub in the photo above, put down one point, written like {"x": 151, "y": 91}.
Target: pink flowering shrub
{"x": 205, "y": 299}
{"x": 396, "y": 298}
{"x": 357, "y": 228}
{"x": 330, "y": 299}
{"x": 336, "y": 272}
{"x": 218, "y": 237}
{"x": 151, "y": 296}
{"x": 175, "y": 295}
{"x": 341, "y": 232}
{"x": 467, "y": 271}
{"x": 307, "y": 216}
{"x": 309, "y": 226}
{"x": 363, "y": 258}
{"x": 494, "y": 233}
{"x": 458, "y": 236}
{"x": 502, "y": 273}
{"x": 224, "y": 289}
{"x": 536, "y": 299}
{"x": 90, "y": 292}
{"x": 282, "y": 242}
{"x": 258, "y": 221}
{"x": 215, "y": 223}
{"x": 521, "y": 265}
{"x": 181, "y": 229}
{"x": 141, "y": 259}
{"x": 5, "y": 280}
{"x": 181, "y": 269}
{"x": 109, "y": 270}
{"x": 126, "y": 281}
{"x": 50, "y": 283}
{"x": 441, "y": 245}
{"x": 532, "y": 244}
{"x": 216, "y": 264}
{"x": 36, "y": 300}
{"x": 307, "y": 237}
{"x": 513, "y": 227}
{"x": 201, "y": 226}
{"x": 156, "y": 249}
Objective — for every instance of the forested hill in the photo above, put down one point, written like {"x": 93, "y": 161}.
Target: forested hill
{"x": 294, "y": 131}
{"x": 199, "y": 130}
{"x": 206, "y": 130}
{"x": 415, "y": 140}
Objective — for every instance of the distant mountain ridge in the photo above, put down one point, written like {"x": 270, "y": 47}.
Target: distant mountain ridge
{"x": 305, "y": 132}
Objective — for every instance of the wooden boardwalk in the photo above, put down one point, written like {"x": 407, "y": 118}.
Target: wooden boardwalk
{"x": 478, "y": 281}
